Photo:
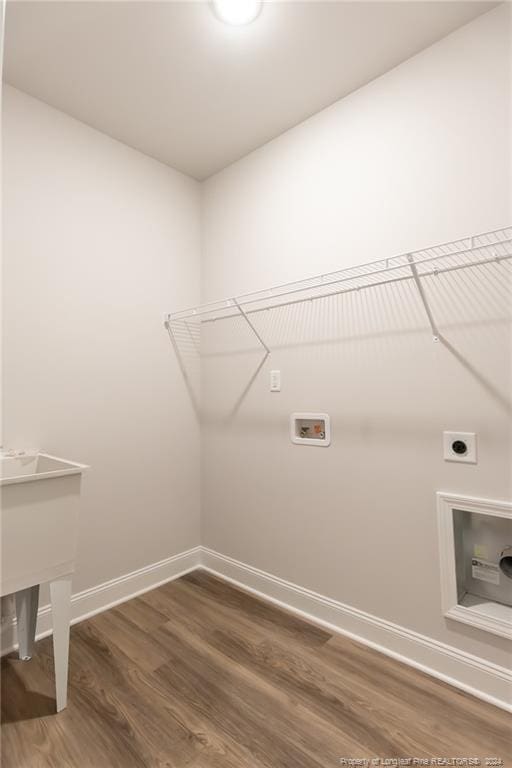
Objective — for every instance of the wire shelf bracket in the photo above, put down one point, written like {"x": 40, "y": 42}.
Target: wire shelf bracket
{"x": 251, "y": 326}
{"x": 423, "y": 297}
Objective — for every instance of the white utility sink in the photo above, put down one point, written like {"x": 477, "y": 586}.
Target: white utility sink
{"x": 35, "y": 466}
{"x": 40, "y": 497}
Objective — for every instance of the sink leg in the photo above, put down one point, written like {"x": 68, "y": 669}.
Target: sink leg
{"x": 60, "y": 592}
{"x": 27, "y": 601}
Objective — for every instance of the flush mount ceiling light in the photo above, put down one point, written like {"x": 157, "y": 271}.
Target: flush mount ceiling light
{"x": 236, "y": 11}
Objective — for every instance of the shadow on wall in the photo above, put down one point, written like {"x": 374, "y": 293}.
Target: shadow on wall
{"x": 185, "y": 338}
{"x": 358, "y": 332}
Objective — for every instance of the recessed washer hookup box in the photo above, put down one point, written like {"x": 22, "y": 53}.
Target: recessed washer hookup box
{"x": 310, "y": 429}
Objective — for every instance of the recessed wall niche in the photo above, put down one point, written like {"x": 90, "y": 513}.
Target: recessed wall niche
{"x": 475, "y": 543}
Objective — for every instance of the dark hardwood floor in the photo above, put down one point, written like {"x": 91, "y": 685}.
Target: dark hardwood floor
{"x": 197, "y": 673}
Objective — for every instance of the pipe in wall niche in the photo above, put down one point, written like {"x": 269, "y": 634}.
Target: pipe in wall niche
{"x": 505, "y": 562}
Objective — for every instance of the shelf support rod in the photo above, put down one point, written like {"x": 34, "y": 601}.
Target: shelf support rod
{"x": 423, "y": 297}
{"x": 251, "y": 326}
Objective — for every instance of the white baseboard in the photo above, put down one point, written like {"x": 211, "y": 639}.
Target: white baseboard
{"x": 472, "y": 674}
{"x": 104, "y": 596}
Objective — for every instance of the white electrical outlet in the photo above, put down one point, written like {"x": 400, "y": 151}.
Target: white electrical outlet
{"x": 460, "y": 446}
{"x": 275, "y": 381}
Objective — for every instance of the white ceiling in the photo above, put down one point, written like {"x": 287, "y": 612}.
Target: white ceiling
{"x": 172, "y": 81}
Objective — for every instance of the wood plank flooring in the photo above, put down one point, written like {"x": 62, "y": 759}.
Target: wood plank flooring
{"x": 197, "y": 673}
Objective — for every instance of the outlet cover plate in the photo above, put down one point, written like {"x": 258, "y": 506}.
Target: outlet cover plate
{"x": 469, "y": 438}
{"x": 275, "y": 381}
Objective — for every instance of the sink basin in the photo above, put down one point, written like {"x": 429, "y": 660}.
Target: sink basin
{"x": 35, "y": 466}
{"x": 38, "y": 518}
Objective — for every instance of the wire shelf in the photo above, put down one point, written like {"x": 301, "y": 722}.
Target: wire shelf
{"x": 474, "y": 251}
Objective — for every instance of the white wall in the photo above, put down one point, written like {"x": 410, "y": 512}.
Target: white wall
{"x": 2, "y": 38}
{"x": 100, "y": 241}
{"x": 419, "y": 156}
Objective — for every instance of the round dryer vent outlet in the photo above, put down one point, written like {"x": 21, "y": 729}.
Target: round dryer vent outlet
{"x": 506, "y": 562}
